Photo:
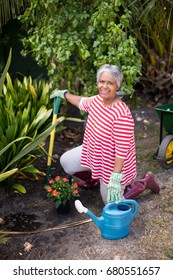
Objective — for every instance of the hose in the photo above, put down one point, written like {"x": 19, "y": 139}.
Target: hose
{"x": 74, "y": 224}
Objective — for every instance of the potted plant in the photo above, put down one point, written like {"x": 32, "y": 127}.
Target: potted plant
{"x": 61, "y": 190}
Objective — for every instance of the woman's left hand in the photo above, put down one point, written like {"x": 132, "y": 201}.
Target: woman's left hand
{"x": 115, "y": 188}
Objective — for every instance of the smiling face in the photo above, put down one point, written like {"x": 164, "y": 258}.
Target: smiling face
{"x": 107, "y": 88}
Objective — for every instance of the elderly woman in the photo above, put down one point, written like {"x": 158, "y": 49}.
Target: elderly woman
{"x": 108, "y": 148}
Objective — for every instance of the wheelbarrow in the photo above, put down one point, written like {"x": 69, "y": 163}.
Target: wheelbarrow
{"x": 164, "y": 154}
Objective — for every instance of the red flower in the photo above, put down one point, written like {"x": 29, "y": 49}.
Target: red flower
{"x": 55, "y": 193}
{"x": 75, "y": 185}
{"x": 51, "y": 181}
{"x": 57, "y": 178}
{"x": 75, "y": 192}
{"x": 65, "y": 180}
{"x": 49, "y": 189}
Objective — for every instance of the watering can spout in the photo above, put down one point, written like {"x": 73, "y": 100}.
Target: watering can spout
{"x": 81, "y": 209}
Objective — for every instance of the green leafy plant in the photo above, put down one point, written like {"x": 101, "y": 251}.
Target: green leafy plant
{"x": 24, "y": 126}
{"x": 61, "y": 190}
{"x": 21, "y": 157}
{"x": 72, "y": 41}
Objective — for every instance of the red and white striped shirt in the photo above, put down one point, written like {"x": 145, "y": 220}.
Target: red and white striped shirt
{"x": 109, "y": 133}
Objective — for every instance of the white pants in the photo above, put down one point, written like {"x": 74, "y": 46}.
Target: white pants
{"x": 70, "y": 161}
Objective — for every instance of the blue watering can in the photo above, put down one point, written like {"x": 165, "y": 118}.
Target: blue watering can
{"x": 115, "y": 220}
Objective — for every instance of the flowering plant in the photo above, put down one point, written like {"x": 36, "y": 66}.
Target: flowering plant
{"x": 61, "y": 190}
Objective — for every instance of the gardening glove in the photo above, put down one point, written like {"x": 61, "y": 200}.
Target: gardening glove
{"x": 114, "y": 187}
{"x": 59, "y": 93}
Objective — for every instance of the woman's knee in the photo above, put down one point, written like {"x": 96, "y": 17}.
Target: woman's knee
{"x": 70, "y": 160}
{"x": 65, "y": 163}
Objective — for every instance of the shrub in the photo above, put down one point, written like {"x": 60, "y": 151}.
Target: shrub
{"x": 72, "y": 41}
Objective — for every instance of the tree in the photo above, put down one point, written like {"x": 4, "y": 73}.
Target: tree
{"x": 73, "y": 40}
{"x": 152, "y": 26}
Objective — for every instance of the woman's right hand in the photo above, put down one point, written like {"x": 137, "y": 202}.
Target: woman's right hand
{"x": 59, "y": 93}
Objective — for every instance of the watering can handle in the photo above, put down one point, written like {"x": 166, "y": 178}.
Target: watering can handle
{"x": 134, "y": 211}
{"x": 135, "y": 204}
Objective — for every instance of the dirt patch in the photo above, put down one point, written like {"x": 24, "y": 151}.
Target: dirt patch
{"x": 150, "y": 232}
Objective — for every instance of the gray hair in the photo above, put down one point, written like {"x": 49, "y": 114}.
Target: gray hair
{"x": 114, "y": 70}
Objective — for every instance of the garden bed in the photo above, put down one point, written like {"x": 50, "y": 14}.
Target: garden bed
{"x": 34, "y": 219}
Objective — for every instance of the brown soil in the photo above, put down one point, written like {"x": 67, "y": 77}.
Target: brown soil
{"x": 150, "y": 234}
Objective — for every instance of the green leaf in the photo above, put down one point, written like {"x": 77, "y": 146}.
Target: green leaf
{"x": 7, "y": 174}
{"x": 32, "y": 145}
{"x": 96, "y": 44}
{"x": 57, "y": 203}
{"x": 10, "y": 144}
{"x": 19, "y": 188}
{"x": 3, "y": 237}
{"x": 9, "y": 83}
{"x": 74, "y": 119}
{"x": 2, "y": 79}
